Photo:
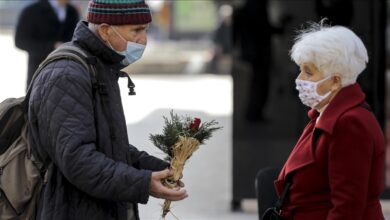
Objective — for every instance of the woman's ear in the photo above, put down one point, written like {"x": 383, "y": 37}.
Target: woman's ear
{"x": 336, "y": 79}
{"x": 104, "y": 31}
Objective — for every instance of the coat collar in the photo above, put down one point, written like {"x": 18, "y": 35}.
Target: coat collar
{"x": 347, "y": 98}
{"x": 302, "y": 154}
{"x": 84, "y": 37}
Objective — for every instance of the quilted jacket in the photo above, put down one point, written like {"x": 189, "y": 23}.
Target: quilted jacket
{"x": 93, "y": 174}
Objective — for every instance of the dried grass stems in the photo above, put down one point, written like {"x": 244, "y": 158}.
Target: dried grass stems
{"x": 181, "y": 151}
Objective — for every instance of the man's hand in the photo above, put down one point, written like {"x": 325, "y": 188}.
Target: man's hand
{"x": 158, "y": 190}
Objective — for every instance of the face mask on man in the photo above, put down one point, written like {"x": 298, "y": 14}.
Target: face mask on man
{"x": 133, "y": 51}
{"x": 308, "y": 92}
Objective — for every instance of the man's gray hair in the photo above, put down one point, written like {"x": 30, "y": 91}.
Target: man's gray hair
{"x": 332, "y": 50}
{"x": 93, "y": 27}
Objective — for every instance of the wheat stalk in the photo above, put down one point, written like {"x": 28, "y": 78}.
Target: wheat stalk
{"x": 181, "y": 151}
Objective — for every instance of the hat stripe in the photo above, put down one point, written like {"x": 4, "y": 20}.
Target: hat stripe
{"x": 135, "y": 11}
{"x": 95, "y": 5}
{"x": 118, "y": 1}
{"x": 118, "y": 9}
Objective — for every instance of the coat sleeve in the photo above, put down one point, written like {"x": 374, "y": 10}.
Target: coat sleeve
{"x": 67, "y": 127}
{"x": 350, "y": 155}
{"x": 24, "y": 33}
{"x": 143, "y": 160}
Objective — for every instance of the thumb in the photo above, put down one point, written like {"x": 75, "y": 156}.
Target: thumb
{"x": 164, "y": 174}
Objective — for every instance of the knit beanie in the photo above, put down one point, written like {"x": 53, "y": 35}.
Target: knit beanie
{"x": 118, "y": 12}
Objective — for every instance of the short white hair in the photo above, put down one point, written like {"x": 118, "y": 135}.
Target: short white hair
{"x": 93, "y": 27}
{"x": 332, "y": 50}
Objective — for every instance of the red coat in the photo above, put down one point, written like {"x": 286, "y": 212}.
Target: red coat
{"x": 337, "y": 166}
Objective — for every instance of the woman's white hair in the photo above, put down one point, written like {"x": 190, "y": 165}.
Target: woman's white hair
{"x": 332, "y": 50}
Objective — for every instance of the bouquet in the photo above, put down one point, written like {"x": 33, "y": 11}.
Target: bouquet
{"x": 181, "y": 137}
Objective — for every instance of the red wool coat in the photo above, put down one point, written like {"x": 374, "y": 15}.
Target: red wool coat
{"x": 337, "y": 165}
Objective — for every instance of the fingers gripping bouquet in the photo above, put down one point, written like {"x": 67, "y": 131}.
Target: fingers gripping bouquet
{"x": 181, "y": 137}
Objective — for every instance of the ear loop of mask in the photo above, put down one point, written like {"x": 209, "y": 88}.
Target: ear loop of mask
{"x": 118, "y": 34}
{"x": 109, "y": 44}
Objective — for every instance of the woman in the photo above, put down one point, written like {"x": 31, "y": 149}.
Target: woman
{"x": 337, "y": 166}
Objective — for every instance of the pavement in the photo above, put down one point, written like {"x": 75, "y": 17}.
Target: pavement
{"x": 208, "y": 174}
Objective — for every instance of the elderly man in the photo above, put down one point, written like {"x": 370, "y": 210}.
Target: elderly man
{"x": 94, "y": 172}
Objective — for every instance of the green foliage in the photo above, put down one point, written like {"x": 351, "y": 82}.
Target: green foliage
{"x": 178, "y": 126}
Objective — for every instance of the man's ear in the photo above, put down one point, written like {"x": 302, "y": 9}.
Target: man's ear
{"x": 104, "y": 31}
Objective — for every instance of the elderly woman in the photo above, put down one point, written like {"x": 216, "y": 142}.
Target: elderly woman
{"x": 336, "y": 168}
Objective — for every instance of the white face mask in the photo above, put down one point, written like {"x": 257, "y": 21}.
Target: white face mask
{"x": 308, "y": 92}
{"x": 133, "y": 52}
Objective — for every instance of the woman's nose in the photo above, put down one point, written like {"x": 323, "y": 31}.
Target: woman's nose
{"x": 300, "y": 76}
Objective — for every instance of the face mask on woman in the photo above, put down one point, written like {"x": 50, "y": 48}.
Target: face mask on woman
{"x": 133, "y": 51}
{"x": 308, "y": 92}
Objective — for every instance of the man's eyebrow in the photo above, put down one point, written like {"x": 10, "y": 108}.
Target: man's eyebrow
{"x": 139, "y": 27}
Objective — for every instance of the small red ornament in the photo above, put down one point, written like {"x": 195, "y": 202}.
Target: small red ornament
{"x": 195, "y": 124}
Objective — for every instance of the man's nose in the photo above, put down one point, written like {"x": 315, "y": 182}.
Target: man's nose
{"x": 141, "y": 38}
{"x": 144, "y": 39}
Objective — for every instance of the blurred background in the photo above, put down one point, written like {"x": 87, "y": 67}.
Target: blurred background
{"x": 226, "y": 60}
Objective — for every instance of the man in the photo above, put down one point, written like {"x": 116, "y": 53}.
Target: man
{"x": 42, "y": 27}
{"x": 94, "y": 172}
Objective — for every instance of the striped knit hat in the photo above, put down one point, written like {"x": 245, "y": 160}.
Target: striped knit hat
{"x": 118, "y": 12}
